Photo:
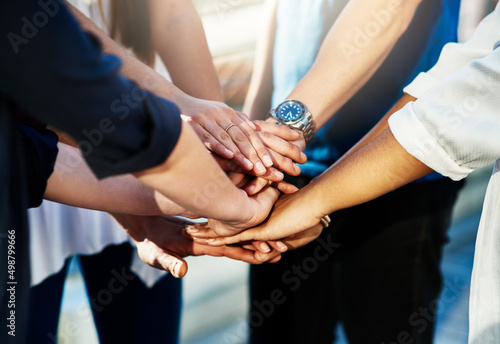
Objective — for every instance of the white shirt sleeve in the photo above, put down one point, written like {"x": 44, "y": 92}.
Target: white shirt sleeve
{"x": 456, "y": 56}
{"x": 454, "y": 127}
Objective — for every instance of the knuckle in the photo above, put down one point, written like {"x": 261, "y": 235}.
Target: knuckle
{"x": 225, "y": 136}
{"x": 206, "y": 136}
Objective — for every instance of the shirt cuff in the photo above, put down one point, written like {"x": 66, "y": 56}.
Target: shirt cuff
{"x": 411, "y": 133}
{"x": 161, "y": 134}
{"x": 420, "y": 84}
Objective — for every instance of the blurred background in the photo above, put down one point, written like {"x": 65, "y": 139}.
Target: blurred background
{"x": 215, "y": 301}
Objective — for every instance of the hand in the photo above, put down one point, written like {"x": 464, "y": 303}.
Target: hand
{"x": 285, "y": 145}
{"x": 290, "y": 215}
{"x": 226, "y": 132}
{"x": 300, "y": 142}
{"x": 258, "y": 208}
{"x": 263, "y": 249}
{"x": 161, "y": 244}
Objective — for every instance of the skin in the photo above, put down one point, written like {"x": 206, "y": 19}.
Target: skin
{"x": 375, "y": 169}
{"x": 208, "y": 117}
{"x": 374, "y": 166}
{"x": 350, "y": 69}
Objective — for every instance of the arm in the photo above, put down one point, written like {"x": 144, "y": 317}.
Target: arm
{"x": 258, "y": 99}
{"x": 85, "y": 86}
{"x": 73, "y": 183}
{"x": 433, "y": 133}
{"x": 179, "y": 39}
{"x": 339, "y": 59}
{"x": 208, "y": 118}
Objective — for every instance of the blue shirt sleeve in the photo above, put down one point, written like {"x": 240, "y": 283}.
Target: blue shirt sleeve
{"x": 60, "y": 75}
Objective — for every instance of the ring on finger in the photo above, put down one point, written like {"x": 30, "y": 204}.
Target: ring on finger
{"x": 229, "y": 126}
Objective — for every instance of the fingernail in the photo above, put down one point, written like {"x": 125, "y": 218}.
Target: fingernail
{"x": 228, "y": 152}
{"x": 282, "y": 246}
{"x": 261, "y": 257}
{"x": 210, "y": 240}
{"x": 279, "y": 175}
{"x": 260, "y": 168}
{"x": 267, "y": 160}
{"x": 248, "y": 163}
{"x": 175, "y": 271}
{"x": 264, "y": 247}
{"x": 191, "y": 229}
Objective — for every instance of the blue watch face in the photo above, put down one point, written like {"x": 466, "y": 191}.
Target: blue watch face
{"x": 290, "y": 112}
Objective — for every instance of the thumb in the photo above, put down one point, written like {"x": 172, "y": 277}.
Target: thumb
{"x": 176, "y": 266}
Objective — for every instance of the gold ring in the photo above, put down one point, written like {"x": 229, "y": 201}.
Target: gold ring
{"x": 325, "y": 221}
{"x": 229, "y": 126}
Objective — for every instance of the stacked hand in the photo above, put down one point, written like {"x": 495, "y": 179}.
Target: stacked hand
{"x": 292, "y": 222}
{"x": 162, "y": 243}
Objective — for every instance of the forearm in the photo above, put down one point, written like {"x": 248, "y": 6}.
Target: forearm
{"x": 258, "y": 99}
{"x": 343, "y": 66}
{"x": 180, "y": 41}
{"x": 73, "y": 183}
{"x": 381, "y": 125}
{"x": 131, "y": 67}
{"x": 379, "y": 167}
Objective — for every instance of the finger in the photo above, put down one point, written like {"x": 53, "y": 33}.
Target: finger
{"x": 246, "y": 119}
{"x": 240, "y": 180}
{"x": 256, "y": 186}
{"x": 220, "y": 241}
{"x": 211, "y": 142}
{"x": 248, "y": 144}
{"x": 279, "y": 130}
{"x": 275, "y": 259}
{"x": 267, "y": 197}
{"x": 261, "y": 246}
{"x": 176, "y": 266}
{"x": 234, "y": 140}
{"x": 203, "y": 233}
{"x": 257, "y": 144}
{"x": 282, "y": 146}
{"x": 285, "y": 187}
{"x": 278, "y": 245}
{"x": 273, "y": 256}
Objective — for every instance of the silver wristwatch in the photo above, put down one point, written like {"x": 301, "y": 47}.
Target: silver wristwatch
{"x": 294, "y": 114}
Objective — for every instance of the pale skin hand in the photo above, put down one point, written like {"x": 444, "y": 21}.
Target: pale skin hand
{"x": 162, "y": 245}
{"x": 191, "y": 178}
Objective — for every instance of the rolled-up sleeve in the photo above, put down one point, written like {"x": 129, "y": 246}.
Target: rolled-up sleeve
{"x": 456, "y": 56}
{"x": 59, "y": 73}
{"x": 454, "y": 127}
